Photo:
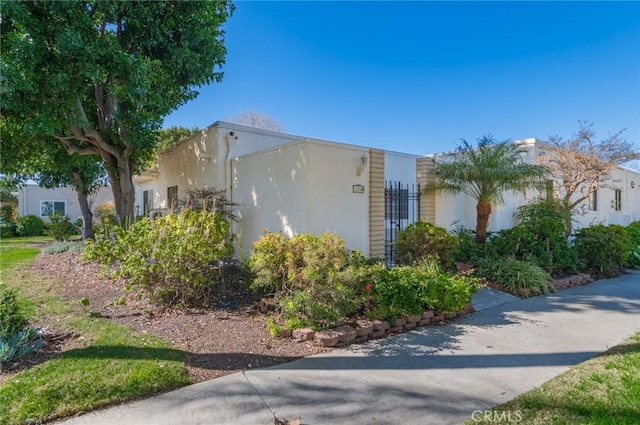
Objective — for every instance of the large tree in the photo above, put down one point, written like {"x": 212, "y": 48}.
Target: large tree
{"x": 99, "y": 75}
{"x": 50, "y": 166}
{"x": 484, "y": 173}
{"x": 579, "y": 163}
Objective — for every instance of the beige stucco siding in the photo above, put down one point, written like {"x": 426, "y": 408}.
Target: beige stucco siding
{"x": 305, "y": 187}
{"x": 31, "y": 196}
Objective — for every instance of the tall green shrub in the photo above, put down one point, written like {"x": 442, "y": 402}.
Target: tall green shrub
{"x": 603, "y": 249}
{"x": 30, "y": 225}
{"x": 421, "y": 240}
{"x": 177, "y": 258}
{"x": 538, "y": 238}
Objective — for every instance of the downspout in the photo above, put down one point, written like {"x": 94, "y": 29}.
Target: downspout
{"x": 228, "y": 170}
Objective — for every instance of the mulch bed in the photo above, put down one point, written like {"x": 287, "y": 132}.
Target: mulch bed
{"x": 217, "y": 341}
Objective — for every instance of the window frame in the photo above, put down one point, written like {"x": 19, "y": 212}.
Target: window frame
{"x": 172, "y": 198}
{"x": 53, "y": 209}
{"x": 617, "y": 200}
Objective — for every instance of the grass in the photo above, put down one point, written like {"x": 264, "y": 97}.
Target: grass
{"x": 114, "y": 363}
{"x": 604, "y": 390}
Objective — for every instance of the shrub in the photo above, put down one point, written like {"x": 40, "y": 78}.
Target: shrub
{"x": 467, "y": 249}
{"x": 177, "y": 259}
{"x": 60, "y": 227}
{"x": 424, "y": 240}
{"x": 16, "y": 339}
{"x": 8, "y": 213}
{"x": 279, "y": 264}
{"x": 410, "y": 290}
{"x": 19, "y": 344}
{"x": 30, "y": 225}
{"x": 12, "y": 320}
{"x": 516, "y": 276}
{"x": 539, "y": 238}
{"x": 63, "y": 246}
{"x": 105, "y": 213}
{"x": 603, "y": 249}
{"x": 7, "y": 230}
{"x": 633, "y": 258}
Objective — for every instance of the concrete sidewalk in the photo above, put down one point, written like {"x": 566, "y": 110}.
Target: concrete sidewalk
{"x": 434, "y": 375}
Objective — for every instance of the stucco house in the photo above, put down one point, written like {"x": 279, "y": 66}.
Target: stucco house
{"x": 295, "y": 184}
{"x": 617, "y": 200}
{"x": 282, "y": 183}
{"x": 39, "y": 201}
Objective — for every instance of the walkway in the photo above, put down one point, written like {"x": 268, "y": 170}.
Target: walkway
{"x": 434, "y": 375}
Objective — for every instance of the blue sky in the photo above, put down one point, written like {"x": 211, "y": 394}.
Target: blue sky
{"x": 417, "y": 77}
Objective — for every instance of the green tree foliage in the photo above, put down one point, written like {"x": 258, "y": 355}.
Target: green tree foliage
{"x": 484, "y": 173}
{"x": 50, "y": 166}
{"x": 100, "y": 75}
{"x": 171, "y": 136}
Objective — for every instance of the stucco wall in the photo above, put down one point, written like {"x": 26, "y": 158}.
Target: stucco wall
{"x": 199, "y": 161}
{"x": 305, "y": 187}
{"x": 29, "y": 198}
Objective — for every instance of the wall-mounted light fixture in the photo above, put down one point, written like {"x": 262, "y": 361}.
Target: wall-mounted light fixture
{"x": 362, "y": 164}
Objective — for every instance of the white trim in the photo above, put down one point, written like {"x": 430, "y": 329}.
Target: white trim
{"x": 53, "y": 201}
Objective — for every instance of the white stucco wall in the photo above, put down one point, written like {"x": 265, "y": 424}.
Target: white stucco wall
{"x": 400, "y": 167}
{"x": 304, "y": 187}
{"x": 201, "y": 161}
{"x": 30, "y": 197}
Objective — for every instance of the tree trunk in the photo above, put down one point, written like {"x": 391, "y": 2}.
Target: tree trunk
{"x": 87, "y": 215}
{"x": 483, "y": 211}
{"x": 122, "y": 187}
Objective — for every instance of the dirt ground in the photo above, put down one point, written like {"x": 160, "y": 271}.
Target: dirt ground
{"x": 217, "y": 341}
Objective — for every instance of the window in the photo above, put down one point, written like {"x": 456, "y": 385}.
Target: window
{"x": 172, "y": 197}
{"x": 147, "y": 197}
{"x": 549, "y": 189}
{"x": 396, "y": 204}
{"x": 593, "y": 201}
{"x": 617, "y": 202}
{"x": 48, "y": 208}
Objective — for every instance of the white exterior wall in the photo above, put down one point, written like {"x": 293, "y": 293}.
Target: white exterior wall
{"x": 29, "y": 198}
{"x": 200, "y": 161}
{"x": 400, "y": 167}
{"x": 305, "y": 187}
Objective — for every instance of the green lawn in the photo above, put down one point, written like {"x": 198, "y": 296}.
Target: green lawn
{"x": 604, "y": 390}
{"x": 113, "y": 364}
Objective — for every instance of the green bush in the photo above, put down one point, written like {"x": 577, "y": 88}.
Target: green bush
{"x": 516, "y": 276}
{"x": 176, "y": 259}
{"x": 603, "y": 249}
{"x": 8, "y": 213}
{"x": 63, "y": 246}
{"x": 280, "y": 264}
{"x": 30, "y": 225}
{"x": 539, "y": 238}
{"x": 633, "y": 257}
{"x": 421, "y": 240}
{"x": 16, "y": 339}
{"x": 7, "y": 230}
{"x": 60, "y": 227}
{"x": 12, "y": 320}
{"x": 409, "y": 290}
{"x": 467, "y": 249}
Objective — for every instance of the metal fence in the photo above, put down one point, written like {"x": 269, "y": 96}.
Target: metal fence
{"x": 401, "y": 208}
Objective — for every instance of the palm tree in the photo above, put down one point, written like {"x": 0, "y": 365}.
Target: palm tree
{"x": 485, "y": 173}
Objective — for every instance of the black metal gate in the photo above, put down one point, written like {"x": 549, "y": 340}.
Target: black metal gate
{"x": 401, "y": 208}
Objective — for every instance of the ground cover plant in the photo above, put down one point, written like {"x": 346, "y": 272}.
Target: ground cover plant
{"x": 604, "y": 390}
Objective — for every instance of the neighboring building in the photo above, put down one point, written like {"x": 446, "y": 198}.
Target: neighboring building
{"x": 39, "y": 201}
{"x": 617, "y": 201}
{"x": 282, "y": 183}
